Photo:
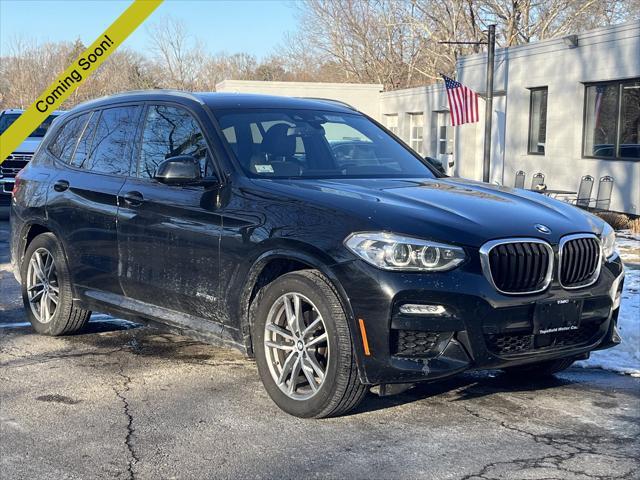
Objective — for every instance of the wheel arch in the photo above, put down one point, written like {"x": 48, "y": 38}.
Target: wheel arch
{"x": 274, "y": 263}
{"x": 32, "y": 231}
{"x": 29, "y": 232}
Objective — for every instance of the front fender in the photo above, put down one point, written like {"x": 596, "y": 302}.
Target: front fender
{"x": 314, "y": 259}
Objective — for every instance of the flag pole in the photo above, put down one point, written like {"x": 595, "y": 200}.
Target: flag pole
{"x": 489, "y": 104}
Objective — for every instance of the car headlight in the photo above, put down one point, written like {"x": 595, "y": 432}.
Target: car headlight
{"x": 608, "y": 237}
{"x": 396, "y": 252}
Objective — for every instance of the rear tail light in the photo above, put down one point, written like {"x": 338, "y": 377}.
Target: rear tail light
{"x": 16, "y": 184}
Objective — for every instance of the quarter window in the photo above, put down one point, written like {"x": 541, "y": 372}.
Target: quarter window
{"x": 612, "y": 120}
{"x": 416, "y": 123}
{"x": 111, "y": 146}
{"x": 538, "y": 121}
{"x": 83, "y": 150}
{"x": 169, "y": 132}
{"x": 65, "y": 142}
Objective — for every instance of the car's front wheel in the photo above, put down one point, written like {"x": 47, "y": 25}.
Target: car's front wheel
{"x": 303, "y": 347}
{"x": 46, "y": 289}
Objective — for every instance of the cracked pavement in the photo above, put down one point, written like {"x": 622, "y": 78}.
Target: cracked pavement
{"x": 139, "y": 403}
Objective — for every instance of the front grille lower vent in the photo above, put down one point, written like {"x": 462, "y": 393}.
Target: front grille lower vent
{"x": 579, "y": 261}
{"x": 513, "y": 344}
{"x": 414, "y": 343}
{"x": 518, "y": 266}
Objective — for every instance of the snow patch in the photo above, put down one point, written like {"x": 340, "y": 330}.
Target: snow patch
{"x": 625, "y": 358}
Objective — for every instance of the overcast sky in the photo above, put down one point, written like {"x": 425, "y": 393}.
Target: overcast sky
{"x": 252, "y": 26}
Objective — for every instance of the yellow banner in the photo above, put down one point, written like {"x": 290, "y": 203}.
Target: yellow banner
{"x": 63, "y": 86}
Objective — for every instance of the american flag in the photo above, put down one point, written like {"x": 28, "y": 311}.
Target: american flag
{"x": 463, "y": 102}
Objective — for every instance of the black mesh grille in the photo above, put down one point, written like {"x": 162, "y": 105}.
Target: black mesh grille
{"x": 12, "y": 167}
{"x": 414, "y": 343}
{"x": 519, "y": 267}
{"x": 509, "y": 344}
{"x": 579, "y": 264}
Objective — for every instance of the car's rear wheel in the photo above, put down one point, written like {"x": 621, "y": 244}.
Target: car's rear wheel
{"x": 46, "y": 289}
{"x": 303, "y": 347}
{"x": 542, "y": 369}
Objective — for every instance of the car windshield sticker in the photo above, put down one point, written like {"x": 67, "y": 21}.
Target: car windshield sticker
{"x": 264, "y": 169}
{"x": 334, "y": 118}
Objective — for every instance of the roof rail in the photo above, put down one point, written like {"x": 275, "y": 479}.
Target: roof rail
{"x": 331, "y": 100}
{"x": 169, "y": 91}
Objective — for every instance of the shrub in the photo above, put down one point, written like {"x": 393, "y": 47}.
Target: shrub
{"x": 619, "y": 221}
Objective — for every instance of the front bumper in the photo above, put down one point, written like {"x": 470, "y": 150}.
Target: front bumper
{"x": 481, "y": 329}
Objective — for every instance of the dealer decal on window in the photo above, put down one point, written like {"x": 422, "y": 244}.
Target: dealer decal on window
{"x": 264, "y": 169}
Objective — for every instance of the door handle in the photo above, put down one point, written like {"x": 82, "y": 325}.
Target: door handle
{"x": 61, "y": 185}
{"x": 133, "y": 198}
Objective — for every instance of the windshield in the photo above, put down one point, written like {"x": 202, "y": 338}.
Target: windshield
{"x": 8, "y": 118}
{"x": 284, "y": 143}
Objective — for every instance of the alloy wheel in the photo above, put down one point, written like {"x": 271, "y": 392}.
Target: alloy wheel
{"x": 43, "y": 290}
{"x": 296, "y": 346}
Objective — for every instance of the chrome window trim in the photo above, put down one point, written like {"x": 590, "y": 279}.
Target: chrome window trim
{"x": 596, "y": 275}
{"x": 486, "y": 267}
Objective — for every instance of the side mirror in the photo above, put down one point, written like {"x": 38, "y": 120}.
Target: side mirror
{"x": 435, "y": 163}
{"x": 179, "y": 170}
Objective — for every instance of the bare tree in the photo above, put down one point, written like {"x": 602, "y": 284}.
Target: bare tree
{"x": 179, "y": 56}
{"x": 35, "y": 66}
{"x": 392, "y": 42}
{"x": 523, "y": 21}
{"x": 31, "y": 67}
{"x": 397, "y": 42}
{"x": 219, "y": 67}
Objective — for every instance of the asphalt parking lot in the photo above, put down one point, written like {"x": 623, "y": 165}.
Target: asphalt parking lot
{"x": 122, "y": 402}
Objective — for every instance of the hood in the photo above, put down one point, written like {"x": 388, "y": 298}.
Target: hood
{"x": 460, "y": 211}
{"x": 29, "y": 145}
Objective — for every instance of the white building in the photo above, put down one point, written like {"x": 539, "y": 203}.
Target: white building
{"x": 363, "y": 96}
{"x": 563, "y": 110}
{"x": 567, "y": 108}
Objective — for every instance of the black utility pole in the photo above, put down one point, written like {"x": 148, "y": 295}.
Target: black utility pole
{"x": 488, "y": 114}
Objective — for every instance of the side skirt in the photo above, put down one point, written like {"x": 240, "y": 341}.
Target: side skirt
{"x": 176, "y": 322}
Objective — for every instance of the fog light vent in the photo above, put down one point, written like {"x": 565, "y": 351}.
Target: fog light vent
{"x": 413, "y": 343}
{"x": 416, "y": 309}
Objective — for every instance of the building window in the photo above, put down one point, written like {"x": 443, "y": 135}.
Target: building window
{"x": 416, "y": 129}
{"x": 612, "y": 120}
{"x": 392, "y": 123}
{"x": 445, "y": 135}
{"x": 538, "y": 121}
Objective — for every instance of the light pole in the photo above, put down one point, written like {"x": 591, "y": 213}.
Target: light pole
{"x": 488, "y": 114}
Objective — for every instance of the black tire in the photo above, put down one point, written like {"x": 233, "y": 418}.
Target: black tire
{"x": 341, "y": 389}
{"x": 68, "y": 316}
{"x": 540, "y": 370}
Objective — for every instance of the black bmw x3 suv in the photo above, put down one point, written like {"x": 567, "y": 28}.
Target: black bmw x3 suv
{"x": 240, "y": 219}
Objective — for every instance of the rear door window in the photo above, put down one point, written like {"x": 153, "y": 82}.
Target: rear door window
{"x": 113, "y": 141}
{"x": 66, "y": 140}
{"x": 169, "y": 132}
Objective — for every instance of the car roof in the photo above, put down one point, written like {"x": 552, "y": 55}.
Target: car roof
{"x": 20, "y": 110}
{"x": 223, "y": 100}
